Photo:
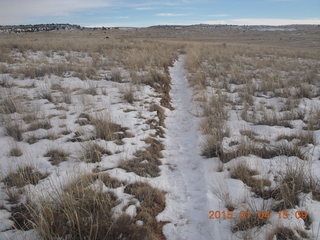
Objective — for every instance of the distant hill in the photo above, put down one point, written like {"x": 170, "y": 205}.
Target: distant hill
{"x": 38, "y": 27}
{"x": 239, "y": 27}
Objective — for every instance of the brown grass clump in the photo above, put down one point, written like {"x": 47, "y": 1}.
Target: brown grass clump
{"x": 151, "y": 199}
{"x": 161, "y": 82}
{"x": 46, "y": 94}
{"x": 273, "y": 120}
{"x": 91, "y": 90}
{"x": 115, "y": 76}
{"x": 294, "y": 181}
{"x": 45, "y": 124}
{"x": 160, "y": 114}
{"x": 302, "y": 138}
{"x": 13, "y": 195}
{"x": 56, "y": 87}
{"x": 66, "y": 97}
{"x": 247, "y": 223}
{"x": 37, "y": 72}
{"x": 83, "y": 213}
{"x": 23, "y": 176}
{"x": 146, "y": 163}
{"x": 14, "y": 130}
{"x": 9, "y": 105}
{"x": 32, "y": 139}
{"x": 105, "y": 128}
{"x": 93, "y": 152}
{"x": 56, "y": 156}
{"x": 22, "y": 217}
{"x": 87, "y": 179}
{"x": 242, "y": 172}
{"x": 144, "y": 168}
{"x": 152, "y": 203}
{"x": 284, "y": 233}
{"x": 110, "y": 182}
{"x": 84, "y": 119}
{"x": 212, "y": 148}
{"x": 253, "y": 136}
{"x": 157, "y": 124}
{"x": 15, "y": 152}
{"x": 29, "y": 118}
{"x": 128, "y": 95}
{"x": 214, "y": 126}
{"x": 80, "y": 214}
{"x": 313, "y": 122}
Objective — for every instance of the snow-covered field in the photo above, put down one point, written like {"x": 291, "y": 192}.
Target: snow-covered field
{"x": 146, "y": 139}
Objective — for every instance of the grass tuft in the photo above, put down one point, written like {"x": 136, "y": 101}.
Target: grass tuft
{"x": 56, "y": 156}
{"x": 23, "y": 176}
{"x": 93, "y": 152}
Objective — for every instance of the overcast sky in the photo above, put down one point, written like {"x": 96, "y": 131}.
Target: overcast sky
{"x": 142, "y": 13}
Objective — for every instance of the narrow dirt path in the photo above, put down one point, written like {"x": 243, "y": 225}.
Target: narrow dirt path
{"x": 187, "y": 203}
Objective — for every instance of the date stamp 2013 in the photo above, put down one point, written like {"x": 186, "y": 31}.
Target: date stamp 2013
{"x": 260, "y": 214}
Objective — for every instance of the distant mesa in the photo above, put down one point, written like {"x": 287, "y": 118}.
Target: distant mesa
{"x": 39, "y": 28}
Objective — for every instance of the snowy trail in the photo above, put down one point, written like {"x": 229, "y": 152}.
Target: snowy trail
{"x": 187, "y": 204}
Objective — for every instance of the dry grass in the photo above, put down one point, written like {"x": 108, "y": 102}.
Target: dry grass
{"x": 66, "y": 97}
{"x": 16, "y": 152}
{"x": 286, "y": 233}
{"x": 13, "y": 195}
{"x": 91, "y": 90}
{"x": 115, "y": 76}
{"x": 38, "y": 72}
{"x": 146, "y": 163}
{"x": 303, "y": 138}
{"x": 46, "y": 94}
{"x": 214, "y": 125}
{"x": 152, "y": 203}
{"x": 161, "y": 82}
{"x": 21, "y": 217}
{"x": 152, "y": 200}
{"x": 313, "y": 122}
{"x": 30, "y": 117}
{"x": 10, "y": 105}
{"x": 110, "y": 182}
{"x": 93, "y": 152}
{"x": 213, "y": 148}
{"x": 56, "y": 156}
{"x": 79, "y": 214}
{"x": 84, "y": 119}
{"x": 105, "y": 128}
{"x": 23, "y": 176}
{"x": 14, "y": 130}
{"x": 149, "y": 167}
{"x": 128, "y": 95}
{"x": 294, "y": 181}
{"x": 160, "y": 114}
{"x": 242, "y": 172}
{"x": 82, "y": 213}
{"x": 44, "y": 124}
{"x": 246, "y": 223}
